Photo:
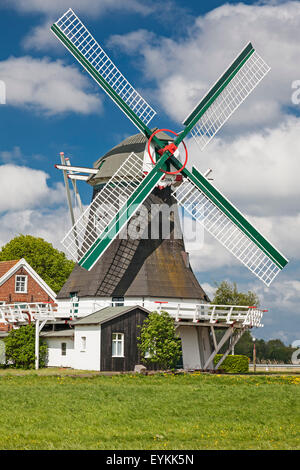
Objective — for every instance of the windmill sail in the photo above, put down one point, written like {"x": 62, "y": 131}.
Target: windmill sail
{"x": 111, "y": 210}
{"x": 225, "y": 223}
{"x": 79, "y": 41}
{"x": 228, "y": 93}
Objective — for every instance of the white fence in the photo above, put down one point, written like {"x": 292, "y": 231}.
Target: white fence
{"x": 197, "y": 313}
{"x": 27, "y": 312}
{"x": 214, "y": 314}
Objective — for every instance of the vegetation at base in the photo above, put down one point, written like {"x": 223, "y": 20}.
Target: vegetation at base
{"x": 158, "y": 342}
{"x": 159, "y": 412}
{"x": 20, "y": 348}
{"x": 273, "y": 350}
{"x": 51, "y": 264}
{"x": 233, "y": 364}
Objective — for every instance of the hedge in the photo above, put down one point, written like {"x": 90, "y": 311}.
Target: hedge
{"x": 233, "y": 364}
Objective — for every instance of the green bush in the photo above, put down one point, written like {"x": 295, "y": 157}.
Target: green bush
{"x": 20, "y": 348}
{"x": 233, "y": 364}
{"x": 158, "y": 342}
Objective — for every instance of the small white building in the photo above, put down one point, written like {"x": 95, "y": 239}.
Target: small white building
{"x": 105, "y": 341}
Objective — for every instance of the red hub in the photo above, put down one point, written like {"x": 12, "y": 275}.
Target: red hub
{"x": 170, "y": 148}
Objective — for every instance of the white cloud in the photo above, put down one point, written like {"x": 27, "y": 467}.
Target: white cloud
{"x": 92, "y": 7}
{"x": 25, "y": 188}
{"x": 209, "y": 289}
{"x": 184, "y": 68}
{"x": 28, "y": 205}
{"x": 49, "y": 224}
{"x": 41, "y": 38}
{"x": 259, "y": 171}
{"x": 210, "y": 255}
{"x": 11, "y": 156}
{"x": 46, "y": 86}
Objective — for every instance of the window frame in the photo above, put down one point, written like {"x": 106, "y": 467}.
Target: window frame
{"x": 25, "y": 291}
{"x": 63, "y": 349}
{"x": 82, "y": 343}
{"x": 115, "y": 341}
{"x": 117, "y": 301}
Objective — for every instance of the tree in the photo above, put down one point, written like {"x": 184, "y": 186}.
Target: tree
{"x": 51, "y": 264}
{"x": 20, "y": 348}
{"x": 158, "y": 342}
{"x": 227, "y": 294}
{"x": 272, "y": 350}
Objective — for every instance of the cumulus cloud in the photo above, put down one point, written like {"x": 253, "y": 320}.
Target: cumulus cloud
{"x": 40, "y": 36}
{"x": 11, "y": 156}
{"x": 25, "y": 188}
{"x": 50, "y": 224}
{"x": 259, "y": 171}
{"x": 91, "y": 8}
{"x": 184, "y": 68}
{"x": 47, "y": 86}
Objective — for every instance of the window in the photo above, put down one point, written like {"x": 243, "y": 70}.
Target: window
{"x": 117, "y": 301}
{"x": 74, "y": 303}
{"x": 21, "y": 284}
{"x": 83, "y": 343}
{"x": 63, "y": 349}
{"x": 117, "y": 345}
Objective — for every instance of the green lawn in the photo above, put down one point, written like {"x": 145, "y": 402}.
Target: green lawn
{"x": 197, "y": 411}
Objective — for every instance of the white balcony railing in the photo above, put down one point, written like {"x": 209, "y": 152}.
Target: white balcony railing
{"x": 181, "y": 312}
{"x": 27, "y": 312}
{"x": 221, "y": 314}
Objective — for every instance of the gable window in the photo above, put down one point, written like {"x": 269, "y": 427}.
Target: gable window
{"x": 117, "y": 345}
{"x": 21, "y": 284}
{"x": 63, "y": 349}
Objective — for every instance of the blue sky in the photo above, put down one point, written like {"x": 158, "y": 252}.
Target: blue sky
{"x": 172, "y": 52}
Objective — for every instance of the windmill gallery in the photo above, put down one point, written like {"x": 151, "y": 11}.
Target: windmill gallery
{"x": 127, "y": 266}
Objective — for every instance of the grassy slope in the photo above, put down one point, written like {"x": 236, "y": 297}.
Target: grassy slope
{"x": 154, "y": 412}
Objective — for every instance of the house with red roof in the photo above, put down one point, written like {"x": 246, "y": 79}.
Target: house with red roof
{"x": 20, "y": 283}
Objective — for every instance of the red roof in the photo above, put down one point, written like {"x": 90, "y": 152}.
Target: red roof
{"x": 6, "y": 266}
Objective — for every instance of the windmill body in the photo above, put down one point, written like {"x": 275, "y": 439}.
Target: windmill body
{"x": 146, "y": 171}
{"x": 144, "y": 271}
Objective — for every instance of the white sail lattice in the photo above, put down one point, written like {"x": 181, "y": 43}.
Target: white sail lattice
{"x": 75, "y": 31}
{"x": 220, "y": 226}
{"x": 233, "y": 95}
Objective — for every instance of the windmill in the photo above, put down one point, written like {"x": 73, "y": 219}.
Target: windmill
{"x": 195, "y": 194}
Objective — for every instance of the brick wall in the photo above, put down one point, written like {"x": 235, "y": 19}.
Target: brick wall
{"x": 35, "y": 293}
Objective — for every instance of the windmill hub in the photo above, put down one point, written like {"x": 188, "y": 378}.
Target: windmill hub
{"x": 171, "y": 148}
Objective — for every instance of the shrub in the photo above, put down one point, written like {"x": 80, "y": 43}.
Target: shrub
{"x": 158, "y": 342}
{"x": 20, "y": 348}
{"x": 233, "y": 364}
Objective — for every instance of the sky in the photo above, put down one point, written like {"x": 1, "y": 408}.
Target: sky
{"x": 172, "y": 52}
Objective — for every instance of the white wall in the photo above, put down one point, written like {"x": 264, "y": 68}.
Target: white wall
{"x": 90, "y": 358}
{"x": 190, "y": 347}
{"x": 55, "y": 359}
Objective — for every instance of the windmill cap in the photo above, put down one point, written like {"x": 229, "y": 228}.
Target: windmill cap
{"x": 114, "y": 158}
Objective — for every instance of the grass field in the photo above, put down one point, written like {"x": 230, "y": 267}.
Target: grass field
{"x": 197, "y": 411}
